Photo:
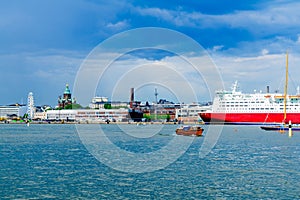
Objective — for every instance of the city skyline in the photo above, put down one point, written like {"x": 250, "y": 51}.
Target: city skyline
{"x": 45, "y": 43}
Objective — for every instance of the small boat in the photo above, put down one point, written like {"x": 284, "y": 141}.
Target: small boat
{"x": 281, "y": 128}
{"x": 190, "y": 130}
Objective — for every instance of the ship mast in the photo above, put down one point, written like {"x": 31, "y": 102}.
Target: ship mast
{"x": 286, "y": 85}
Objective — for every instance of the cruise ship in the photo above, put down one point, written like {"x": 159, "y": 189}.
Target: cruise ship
{"x": 235, "y": 107}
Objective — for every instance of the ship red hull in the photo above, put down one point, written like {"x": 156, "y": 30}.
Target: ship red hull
{"x": 254, "y": 118}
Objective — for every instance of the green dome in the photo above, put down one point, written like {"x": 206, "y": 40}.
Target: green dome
{"x": 67, "y": 90}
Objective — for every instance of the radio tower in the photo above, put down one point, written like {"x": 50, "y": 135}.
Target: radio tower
{"x": 155, "y": 93}
{"x": 30, "y": 106}
{"x": 155, "y": 110}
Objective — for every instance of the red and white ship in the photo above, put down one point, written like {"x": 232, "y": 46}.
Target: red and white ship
{"x": 259, "y": 108}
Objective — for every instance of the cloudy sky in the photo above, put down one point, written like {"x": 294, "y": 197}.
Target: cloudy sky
{"x": 44, "y": 43}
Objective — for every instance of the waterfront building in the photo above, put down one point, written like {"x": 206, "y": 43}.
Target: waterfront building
{"x": 12, "y": 111}
{"x": 91, "y": 115}
{"x": 119, "y": 104}
{"x": 58, "y": 115}
{"x": 118, "y": 115}
{"x": 40, "y": 115}
{"x": 30, "y": 106}
{"x": 40, "y": 112}
{"x": 190, "y": 112}
{"x": 163, "y": 108}
{"x": 98, "y": 102}
{"x": 103, "y": 102}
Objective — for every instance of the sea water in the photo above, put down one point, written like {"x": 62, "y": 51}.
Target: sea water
{"x": 52, "y": 162}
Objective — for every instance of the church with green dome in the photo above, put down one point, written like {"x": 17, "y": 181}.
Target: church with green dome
{"x": 66, "y": 99}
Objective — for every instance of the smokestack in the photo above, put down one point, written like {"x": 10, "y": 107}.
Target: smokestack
{"x": 131, "y": 97}
{"x": 268, "y": 89}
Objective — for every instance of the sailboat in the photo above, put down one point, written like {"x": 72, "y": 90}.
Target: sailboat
{"x": 283, "y": 126}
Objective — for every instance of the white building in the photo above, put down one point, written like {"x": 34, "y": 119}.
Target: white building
{"x": 61, "y": 115}
{"x": 190, "y": 112}
{"x": 40, "y": 115}
{"x": 97, "y": 115}
{"x": 98, "y": 102}
{"x": 30, "y": 106}
{"x": 102, "y": 115}
{"x": 17, "y": 110}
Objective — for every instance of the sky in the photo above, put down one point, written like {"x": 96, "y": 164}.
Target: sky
{"x": 44, "y": 45}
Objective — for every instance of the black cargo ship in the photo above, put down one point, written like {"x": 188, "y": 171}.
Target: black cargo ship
{"x": 136, "y": 115}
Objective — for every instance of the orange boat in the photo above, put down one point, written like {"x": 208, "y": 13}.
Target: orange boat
{"x": 190, "y": 130}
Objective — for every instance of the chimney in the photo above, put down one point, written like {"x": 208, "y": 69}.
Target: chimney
{"x": 268, "y": 89}
{"x": 131, "y": 97}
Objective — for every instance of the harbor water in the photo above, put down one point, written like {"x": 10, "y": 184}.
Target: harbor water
{"x": 51, "y": 162}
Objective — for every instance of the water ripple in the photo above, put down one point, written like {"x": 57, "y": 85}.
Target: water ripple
{"x": 49, "y": 162}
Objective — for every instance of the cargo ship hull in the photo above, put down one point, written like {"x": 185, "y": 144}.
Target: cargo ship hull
{"x": 136, "y": 115}
{"x": 249, "y": 118}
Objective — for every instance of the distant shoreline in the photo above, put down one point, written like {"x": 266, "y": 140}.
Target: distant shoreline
{"x": 93, "y": 122}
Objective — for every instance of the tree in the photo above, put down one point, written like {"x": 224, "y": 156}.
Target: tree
{"x": 73, "y": 106}
{"x": 168, "y": 117}
{"x": 147, "y": 117}
{"x": 107, "y": 106}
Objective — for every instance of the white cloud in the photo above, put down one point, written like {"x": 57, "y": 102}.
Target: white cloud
{"x": 259, "y": 71}
{"x": 271, "y": 18}
{"x": 121, "y": 25}
{"x": 179, "y": 18}
{"x": 264, "y": 51}
{"x": 258, "y": 58}
{"x": 156, "y": 12}
{"x": 218, "y": 47}
{"x": 298, "y": 39}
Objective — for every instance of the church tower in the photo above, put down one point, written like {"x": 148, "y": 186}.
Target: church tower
{"x": 66, "y": 99}
{"x": 67, "y": 94}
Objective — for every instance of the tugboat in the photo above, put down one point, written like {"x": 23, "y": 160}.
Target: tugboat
{"x": 190, "y": 130}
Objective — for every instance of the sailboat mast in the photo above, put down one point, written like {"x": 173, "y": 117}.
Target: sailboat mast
{"x": 286, "y": 84}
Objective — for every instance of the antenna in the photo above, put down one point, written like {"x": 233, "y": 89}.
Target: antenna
{"x": 155, "y": 93}
{"x": 286, "y": 84}
{"x": 155, "y": 111}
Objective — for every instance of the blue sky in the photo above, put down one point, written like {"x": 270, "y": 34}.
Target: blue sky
{"x": 43, "y": 43}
